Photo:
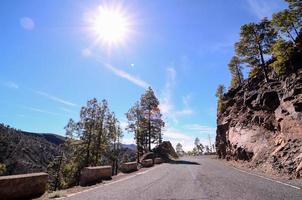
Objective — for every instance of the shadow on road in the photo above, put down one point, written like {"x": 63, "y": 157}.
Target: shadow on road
{"x": 183, "y": 162}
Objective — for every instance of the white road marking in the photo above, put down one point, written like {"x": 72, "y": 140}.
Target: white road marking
{"x": 110, "y": 183}
{"x": 286, "y": 184}
{"x": 139, "y": 173}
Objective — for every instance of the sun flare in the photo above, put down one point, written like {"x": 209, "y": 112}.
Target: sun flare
{"x": 111, "y": 25}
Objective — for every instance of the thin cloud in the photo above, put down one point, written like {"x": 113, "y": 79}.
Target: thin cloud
{"x": 67, "y": 110}
{"x": 123, "y": 124}
{"x": 128, "y": 141}
{"x": 135, "y": 80}
{"x": 41, "y": 111}
{"x": 262, "y": 8}
{"x": 54, "y": 98}
{"x": 127, "y": 76}
{"x": 166, "y": 103}
{"x": 201, "y": 128}
{"x": 183, "y": 112}
{"x": 86, "y": 52}
{"x": 11, "y": 84}
{"x": 176, "y": 136}
{"x": 27, "y": 23}
{"x": 187, "y": 141}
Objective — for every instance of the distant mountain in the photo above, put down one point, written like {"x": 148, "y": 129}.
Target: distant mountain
{"x": 26, "y": 152}
{"x": 129, "y": 146}
{"x": 50, "y": 137}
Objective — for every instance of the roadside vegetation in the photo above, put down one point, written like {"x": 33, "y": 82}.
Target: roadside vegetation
{"x": 95, "y": 139}
{"x": 199, "y": 149}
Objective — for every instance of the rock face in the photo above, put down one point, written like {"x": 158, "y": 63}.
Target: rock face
{"x": 262, "y": 123}
{"x": 165, "y": 150}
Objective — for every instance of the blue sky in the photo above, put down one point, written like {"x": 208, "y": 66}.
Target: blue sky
{"x": 51, "y": 64}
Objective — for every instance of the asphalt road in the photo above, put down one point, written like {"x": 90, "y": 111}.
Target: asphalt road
{"x": 192, "y": 178}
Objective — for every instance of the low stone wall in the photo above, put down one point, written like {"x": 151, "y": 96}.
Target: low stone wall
{"x": 23, "y": 186}
{"x": 92, "y": 175}
{"x": 147, "y": 163}
{"x": 158, "y": 160}
{"x": 128, "y": 167}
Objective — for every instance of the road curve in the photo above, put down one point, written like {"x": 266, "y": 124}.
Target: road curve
{"x": 192, "y": 178}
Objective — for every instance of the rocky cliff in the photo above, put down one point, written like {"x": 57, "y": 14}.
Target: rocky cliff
{"x": 262, "y": 123}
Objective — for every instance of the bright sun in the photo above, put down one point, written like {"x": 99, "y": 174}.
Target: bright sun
{"x": 111, "y": 25}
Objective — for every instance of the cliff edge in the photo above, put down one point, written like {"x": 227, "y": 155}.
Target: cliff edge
{"x": 261, "y": 122}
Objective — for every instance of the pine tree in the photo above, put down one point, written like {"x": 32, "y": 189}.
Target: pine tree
{"x": 54, "y": 169}
{"x": 179, "y": 149}
{"x": 92, "y": 141}
{"x": 295, "y": 7}
{"x": 255, "y": 44}
{"x": 219, "y": 94}
{"x": 220, "y": 91}
{"x": 151, "y": 117}
{"x": 282, "y": 51}
{"x": 286, "y": 22}
{"x": 198, "y": 146}
{"x": 134, "y": 117}
{"x": 102, "y": 113}
{"x": 236, "y": 71}
{"x": 114, "y": 134}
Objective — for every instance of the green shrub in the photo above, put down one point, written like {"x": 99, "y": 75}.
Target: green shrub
{"x": 2, "y": 169}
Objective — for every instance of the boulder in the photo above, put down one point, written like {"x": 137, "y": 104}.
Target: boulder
{"x": 23, "y": 186}
{"x": 147, "y": 163}
{"x": 298, "y": 106}
{"x": 128, "y": 167}
{"x": 92, "y": 175}
{"x": 270, "y": 100}
{"x": 158, "y": 160}
{"x": 165, "y": 150}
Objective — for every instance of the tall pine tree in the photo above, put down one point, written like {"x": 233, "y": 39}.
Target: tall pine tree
{"x": 255, "y": 43}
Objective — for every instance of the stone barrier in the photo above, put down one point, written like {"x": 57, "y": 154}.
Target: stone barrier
{"x": 147, "y": 163}
{"x": 23, "y": 186}
{"x": 158, "y": 160}
{"x": 92, "y": 175}
{"x": 128, "y": 167}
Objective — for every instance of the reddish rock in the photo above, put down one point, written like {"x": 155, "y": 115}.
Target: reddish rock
{"x": 262, "y": 123}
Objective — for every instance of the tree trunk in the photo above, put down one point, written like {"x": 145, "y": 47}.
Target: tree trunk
{"x": 100, "y": 133}
{"x": 149, "y": 127}
{"x": 58, "y": 172}
{"x": 296, "y": 31}
{"x": 137, "y": 145}
{"x": 88, "y": 148}
{"x": 238, "y": 74}
{"x": 290, "y": 35}
{"x": 263, "y": 64}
